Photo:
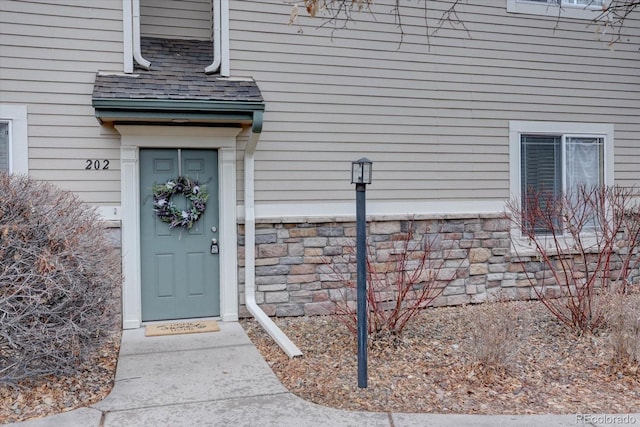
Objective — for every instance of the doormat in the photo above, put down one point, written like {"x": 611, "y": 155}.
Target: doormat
{"x": 181, "y": 328}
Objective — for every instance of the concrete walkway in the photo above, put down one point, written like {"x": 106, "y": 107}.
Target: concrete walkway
{"x": 220, "y": 379}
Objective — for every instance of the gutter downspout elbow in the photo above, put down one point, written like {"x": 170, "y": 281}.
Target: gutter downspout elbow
{"x": 249, "y": 246}
{"x": 215, "y": 65}
{"x": 137, "y": 53}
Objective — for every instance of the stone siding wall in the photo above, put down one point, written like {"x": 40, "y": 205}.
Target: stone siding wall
{"x": 303, "y": 268}
{"x": 297, "y": 263}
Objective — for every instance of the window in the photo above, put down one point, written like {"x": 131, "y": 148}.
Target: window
{"x": 549, "y": 158}
{"x": 543, "y": 168}
{"x": 581, "y": 9}
{"x": 589, "y": 3}
{"x": 552, "y": 165}
{"x": 4, "y": 147}
{"x": 13, "y": 138}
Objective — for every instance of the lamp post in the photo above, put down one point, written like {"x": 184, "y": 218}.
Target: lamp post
{"x": 361, "y": 176}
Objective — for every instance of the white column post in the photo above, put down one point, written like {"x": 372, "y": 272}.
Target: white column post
{"x": 131, "y": 290}
{"x": 228, "y": 234}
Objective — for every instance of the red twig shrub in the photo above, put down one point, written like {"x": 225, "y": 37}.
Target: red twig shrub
{"x": 588, "y": 241}
{"x": 407, "y": 278}
{"x": 59, "y": 277}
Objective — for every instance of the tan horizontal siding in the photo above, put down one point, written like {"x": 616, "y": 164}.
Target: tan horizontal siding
{"x": 50, "y": 52}
{"x": 421, "y": 60}
{"x": 434, "y": 118}
{"x": 464, "y": 101}
{"x": 627, "y": 151}
{"x": 485, "y": 21}
{"x": 89, "y": 12}
{"x": 181, "y": 19}
{"x": 70, "y": 153}
{"x": 98, "y": 60}
{"x": 78, "y": 173}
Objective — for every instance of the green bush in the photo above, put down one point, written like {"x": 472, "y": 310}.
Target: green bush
{"x": 59, "y": 280}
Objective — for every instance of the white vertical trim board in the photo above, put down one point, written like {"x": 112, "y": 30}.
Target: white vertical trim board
{"x": 129, "y": 190}
{"x": 16, "y": 116}
{"x": 136, "y": 137}
{"x": 228, "y": 233}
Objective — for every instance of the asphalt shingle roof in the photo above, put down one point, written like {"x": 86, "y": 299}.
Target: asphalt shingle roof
{"x": 177, "y": 73}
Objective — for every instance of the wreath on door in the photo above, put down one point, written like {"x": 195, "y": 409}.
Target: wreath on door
{"x": 168, "y": 212}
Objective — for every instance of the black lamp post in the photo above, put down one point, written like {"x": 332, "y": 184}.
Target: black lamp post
{"x": 361, "y": 176}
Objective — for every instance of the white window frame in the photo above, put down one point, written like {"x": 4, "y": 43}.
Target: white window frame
{"x": 16, "y": 117}
{"x": 591, "y": 4}
{"x": 564, "y": 10}
{"x": 518, "y": 128}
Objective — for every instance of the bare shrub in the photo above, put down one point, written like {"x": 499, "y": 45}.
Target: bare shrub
{"x": 495, "y": 334}
{"x": 58, "y": 275}
{"x": 401, "y": 279}
{"x": 622, "y": 319}
{"x": 588, "y": 241}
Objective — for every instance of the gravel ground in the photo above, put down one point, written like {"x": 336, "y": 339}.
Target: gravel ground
{"x": 532, "y": 364}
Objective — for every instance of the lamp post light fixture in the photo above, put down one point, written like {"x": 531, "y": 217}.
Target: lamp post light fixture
{"x": 361, "y": 176}
{"x": 361, "y": 171}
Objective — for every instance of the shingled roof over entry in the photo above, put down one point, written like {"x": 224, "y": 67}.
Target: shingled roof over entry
{"x": 176, "y": 82}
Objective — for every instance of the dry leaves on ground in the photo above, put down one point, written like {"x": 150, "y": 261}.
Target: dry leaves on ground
{"x": 434, "y": 367}
{"x": 52, "y": 395}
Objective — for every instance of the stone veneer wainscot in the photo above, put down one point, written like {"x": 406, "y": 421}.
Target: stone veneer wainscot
{"x": 293, "y": 276}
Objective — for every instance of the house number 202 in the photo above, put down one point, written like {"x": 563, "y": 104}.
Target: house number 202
{"x": 92, "y": 164}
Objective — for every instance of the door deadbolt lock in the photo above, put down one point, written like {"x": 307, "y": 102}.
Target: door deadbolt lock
{"x": 214, "y": 246}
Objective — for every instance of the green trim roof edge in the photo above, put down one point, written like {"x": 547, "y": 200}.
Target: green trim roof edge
{"x": 163, "y": 110}
{"x": 175, "y": 104}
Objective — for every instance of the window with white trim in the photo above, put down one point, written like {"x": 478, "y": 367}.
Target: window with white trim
{"x": 549, "y": 159}
{"x": 552, "y": 165}
{"x": 13, "y": 138}
{"x": 580, "y": 9}
{"x": 588, "y": 3}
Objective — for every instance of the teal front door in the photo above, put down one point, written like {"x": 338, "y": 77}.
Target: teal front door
{"x": 180, "y": 274}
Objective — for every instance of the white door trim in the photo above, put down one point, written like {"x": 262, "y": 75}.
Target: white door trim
{"x": 135, "y": 137}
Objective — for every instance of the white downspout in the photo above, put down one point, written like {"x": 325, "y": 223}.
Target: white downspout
{"x": 216, "y": 39}
{"x": 224, "y": 39}
{"x": 127, "y": 36}
{"x": 137, "y": 54}
{"x": 250, "y": 248}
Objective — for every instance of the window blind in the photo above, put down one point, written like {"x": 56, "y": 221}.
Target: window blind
{"x": 541, "y": 164}
{"x": 541, "y": 171}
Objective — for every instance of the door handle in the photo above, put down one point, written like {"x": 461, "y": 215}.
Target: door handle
{"x": 214, "y": 246}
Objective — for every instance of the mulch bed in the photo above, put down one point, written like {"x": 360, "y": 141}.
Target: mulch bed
{"x": 434, "y": 367}
{"x": 51, "y": 395}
